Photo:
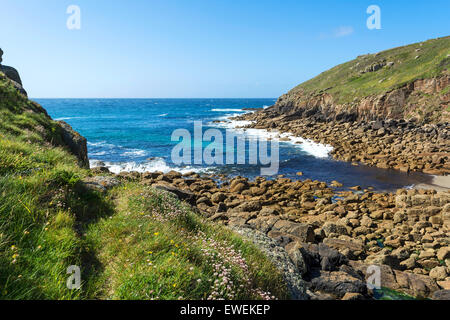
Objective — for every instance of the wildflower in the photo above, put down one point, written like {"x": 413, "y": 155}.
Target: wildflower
{"x": 156, "y": 233}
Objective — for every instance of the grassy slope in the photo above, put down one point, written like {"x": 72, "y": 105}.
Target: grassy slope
{"x": 131, "y": 243}
{"x": 345, "y": 82}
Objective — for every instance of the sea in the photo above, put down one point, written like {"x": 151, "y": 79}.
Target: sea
{"x": 136, "y": 135}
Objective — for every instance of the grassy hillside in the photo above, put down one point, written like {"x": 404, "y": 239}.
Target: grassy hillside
{"x": 398, "y": 67}
{"x": 132, "y": 242}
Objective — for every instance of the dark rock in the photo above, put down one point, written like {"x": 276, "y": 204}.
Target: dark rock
{"x": 98, "y": 170}
{"x": 338, "y": 283}
{"x": 247, "y": 207}
{"x": 183, "y": 195}
{"x": 330, "y": 259}
{"x": 441, "y": 295}
{"x": 13, "y": 75}
{"x": 221, "y": 207}
{"x": 303, "y": 232}
{"x": 76, "y": 143}
{"x": 294, "y": 252}
{"x": 100, "y": 183}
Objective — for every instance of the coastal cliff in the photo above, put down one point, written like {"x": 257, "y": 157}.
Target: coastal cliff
{"x": 410, "y": 82}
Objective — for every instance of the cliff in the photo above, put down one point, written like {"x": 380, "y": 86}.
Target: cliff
{"x": 410, "y": 82}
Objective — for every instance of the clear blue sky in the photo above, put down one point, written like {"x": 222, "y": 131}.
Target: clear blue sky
{"x": 194, "y": 48}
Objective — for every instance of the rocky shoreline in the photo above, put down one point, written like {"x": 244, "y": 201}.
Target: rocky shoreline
{"x": 330, "y": 236}
{"x": 398, "y": 144}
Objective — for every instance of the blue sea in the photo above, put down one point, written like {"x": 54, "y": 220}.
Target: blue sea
{"x": 135, "y": 135}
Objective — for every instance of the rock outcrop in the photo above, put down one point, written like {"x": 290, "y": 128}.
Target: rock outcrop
{"x": 13, "y": 75}
{"x": 76, "y": 143}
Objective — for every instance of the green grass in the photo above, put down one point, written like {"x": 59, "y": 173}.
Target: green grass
{"x": 346, "y": 82}
{"x": 130, "y": 243}
{"x": 155, "y": 247}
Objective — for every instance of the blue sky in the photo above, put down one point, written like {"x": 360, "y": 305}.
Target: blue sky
{"x": 194, "y": 48}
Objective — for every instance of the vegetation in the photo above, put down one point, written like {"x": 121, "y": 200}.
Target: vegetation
{"x": 132, "y": 242}
{"x": 399, "y": 66}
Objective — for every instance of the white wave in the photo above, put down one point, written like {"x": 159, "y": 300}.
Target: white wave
{"x": 157, "y": 164}
{"x": 97, "y": 154}
{"x": 317, "y": 150}
{"x": 227, "y": 110}
{"x": 69, "y": 118}
{"x": 102, "y": 144}
{"x": 163, "y": 115}
{"x": 231, "y": 124}
{"x": 135, "y": 153}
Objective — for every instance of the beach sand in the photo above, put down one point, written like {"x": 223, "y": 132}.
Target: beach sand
{"x": 439, "y": 183}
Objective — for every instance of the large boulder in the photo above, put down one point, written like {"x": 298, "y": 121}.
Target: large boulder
{"x": 299, "y": 231}
{"x": 100, "y": 183}
{"x": 338, "y": 283}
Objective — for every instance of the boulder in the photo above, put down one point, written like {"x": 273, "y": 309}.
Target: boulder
{"x": 296, "y": 256}
{"x": 332, "y": 228}
{"x": 218, "y": 197}
{"x": 441, "y": 295}
{"x": 438, "y": 273}
{"x": 443, "y": 253}
{"x": 247, "y": 207}
{"x": 330, "y": 259}
{"x": 338, "y": 283}
{"x": 303, "y": 232}
{"x": 353, "y": 249}
{"x": 100, "y": 183}
{"x": 184, "y": 195}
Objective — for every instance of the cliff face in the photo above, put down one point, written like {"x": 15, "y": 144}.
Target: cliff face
{"x": 425, "y": 99}
{"x": 409, "y": 82}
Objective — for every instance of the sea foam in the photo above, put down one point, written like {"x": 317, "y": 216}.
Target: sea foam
{"x": 157, "y": 164}
{"x": 317, "y": 150}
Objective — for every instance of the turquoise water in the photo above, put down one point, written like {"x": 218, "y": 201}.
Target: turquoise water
{"x": 135, "y": 134}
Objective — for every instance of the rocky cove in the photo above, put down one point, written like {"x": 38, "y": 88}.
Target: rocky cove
{"x": 388, "y": 144}
{"x": 325, "y": 237}
{"x": 331, "y": 237}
